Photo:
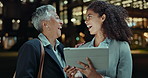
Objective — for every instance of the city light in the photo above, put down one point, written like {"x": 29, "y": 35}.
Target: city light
{"x": 73, "y": 20}
{"x": 1, "y": 22}
{"x": 65, "y": 2}
{"x": 146, "y": 34}
{"x": 1, "y": 5}
{"x": 81, "y": 34}
{"x": 63, "y": 37}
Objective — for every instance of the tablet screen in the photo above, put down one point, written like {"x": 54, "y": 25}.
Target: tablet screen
{"x": 98, "y": 56}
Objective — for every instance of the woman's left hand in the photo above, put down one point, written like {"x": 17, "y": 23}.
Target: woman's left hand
{"x": 70, "y": 71}
{"x": 89, "y": 69}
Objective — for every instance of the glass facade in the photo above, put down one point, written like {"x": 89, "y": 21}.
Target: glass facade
{"x": 1, "y": 8}
{"x": 20, "y": 29}
{"x": 16, "y": 28}
{"x": 137, "y": 21}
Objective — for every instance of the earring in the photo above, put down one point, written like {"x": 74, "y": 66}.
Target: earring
{"x": 46, "y": 26}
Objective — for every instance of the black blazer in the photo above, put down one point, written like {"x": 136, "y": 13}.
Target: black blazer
{"x": 29, "y": 59}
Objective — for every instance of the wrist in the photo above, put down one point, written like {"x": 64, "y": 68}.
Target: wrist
{"x": 102, "y": 76}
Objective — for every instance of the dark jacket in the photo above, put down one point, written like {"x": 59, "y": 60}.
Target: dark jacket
{"x": 29, "y": 59}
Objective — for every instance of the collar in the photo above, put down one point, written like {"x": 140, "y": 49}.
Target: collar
{"x": 45, "y": 41}
{"x": 106, "y": 41}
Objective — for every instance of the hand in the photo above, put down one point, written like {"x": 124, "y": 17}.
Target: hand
{"x": 76, "y": 46}
{"x": 89, "y": 69}
{"x": 70, "y": 71}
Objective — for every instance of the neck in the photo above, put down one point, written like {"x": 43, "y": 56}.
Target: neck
{"x": 98, "y": 39}
{"x": 51, "y": 39}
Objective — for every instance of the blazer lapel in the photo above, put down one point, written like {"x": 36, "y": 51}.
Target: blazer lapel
{"x": 60, "y": 50}
{"x": 52, "y": 54}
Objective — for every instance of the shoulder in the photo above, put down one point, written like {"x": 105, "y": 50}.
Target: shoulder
{"x": 123, "y": 45}
{"x": 30, "y": 48}
{"x": 31, "y": 44}
{"x": 120, "y": 43}
{"x": 124, "y": 48}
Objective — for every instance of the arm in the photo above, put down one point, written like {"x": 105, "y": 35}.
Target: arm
{"x": 27, "y": 62}
{"x": 124, "y": 69}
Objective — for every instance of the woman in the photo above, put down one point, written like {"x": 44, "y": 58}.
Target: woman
{"x": 48, "y": 23}
{"x": 107, "y": 23}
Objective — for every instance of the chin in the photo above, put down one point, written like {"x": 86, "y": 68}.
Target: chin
{"x": 59, "y": 35}
{"x": 92, "y": 33}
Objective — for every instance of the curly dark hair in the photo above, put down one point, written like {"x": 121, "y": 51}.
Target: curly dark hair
{"x": 115, "y": 25}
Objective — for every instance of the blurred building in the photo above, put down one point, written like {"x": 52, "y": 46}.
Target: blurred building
{"x": 16, "y": 27}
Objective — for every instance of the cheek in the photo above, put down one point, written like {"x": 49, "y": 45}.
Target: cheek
{"x": 97, "y": 25}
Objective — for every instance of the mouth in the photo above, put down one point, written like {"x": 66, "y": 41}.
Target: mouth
{"x": 60, "y": 28}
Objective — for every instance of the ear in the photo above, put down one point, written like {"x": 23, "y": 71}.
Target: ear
{"x": 43, "y": 23}
{"x": 103, "y": 17}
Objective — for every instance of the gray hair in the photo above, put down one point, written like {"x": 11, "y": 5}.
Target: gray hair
{"x": 42, "y": 13}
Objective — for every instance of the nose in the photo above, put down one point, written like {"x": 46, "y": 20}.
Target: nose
{"x": 86, "y": 22}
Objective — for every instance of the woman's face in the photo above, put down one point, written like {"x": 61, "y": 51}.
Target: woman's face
{"x": 54, "y": 25}
{"x": 94, "y": 22}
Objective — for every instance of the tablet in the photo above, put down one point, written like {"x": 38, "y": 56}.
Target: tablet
{"x": 98, "y": 56}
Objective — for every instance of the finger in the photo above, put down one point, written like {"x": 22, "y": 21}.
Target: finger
{"x": 83, "y": 64}
{"x": 75, "y": 72}
{"x": 76, "y": 46}
{"x": 66, "y": 68}
{"x": 81, "y": 70}
{"x": 89, "y": 62}
{"x": 72, "y": 72}
{"x": 69, "y": 70}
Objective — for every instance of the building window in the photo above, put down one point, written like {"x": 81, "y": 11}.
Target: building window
{"x": 31, "y": 0}
{"x": 1, "y": 8}
{"x": 15, "y": 24}
{"x": 76, "y": 15}
{"x": 30, "y": 24}
{"x": 1, "y": 23}
{"x": 63, "y": 16}
{"x": 138, "y": 22}
{"x": 145, "y": 22}
{"x": 8, "y": 42}
{"x": 0, "y": 40}
{"x": 27, "y": 1}
{"x": 86, "y": 0}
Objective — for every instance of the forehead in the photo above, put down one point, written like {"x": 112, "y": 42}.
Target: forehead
{"x": 53, "y": 13}
{"x": 91, "y": 12}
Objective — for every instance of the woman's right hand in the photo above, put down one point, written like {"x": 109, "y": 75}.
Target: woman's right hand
{"x": 89, "y": 70}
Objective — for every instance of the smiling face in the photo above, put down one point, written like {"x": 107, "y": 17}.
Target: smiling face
{"x": 94, "y": 22}
{"x": 53, "y": 26}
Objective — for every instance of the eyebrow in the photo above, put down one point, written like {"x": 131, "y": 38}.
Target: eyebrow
{"x": 89, "y": 14}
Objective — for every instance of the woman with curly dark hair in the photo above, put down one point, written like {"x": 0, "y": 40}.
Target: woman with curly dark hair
{"x": 108, "y": 23}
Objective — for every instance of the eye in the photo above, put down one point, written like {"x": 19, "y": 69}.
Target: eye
{"x": 57, "y": 17}
{"x": 89, "y": 16}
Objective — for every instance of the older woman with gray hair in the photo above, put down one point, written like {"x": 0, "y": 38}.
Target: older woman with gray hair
{"x": 48, "y": 23}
